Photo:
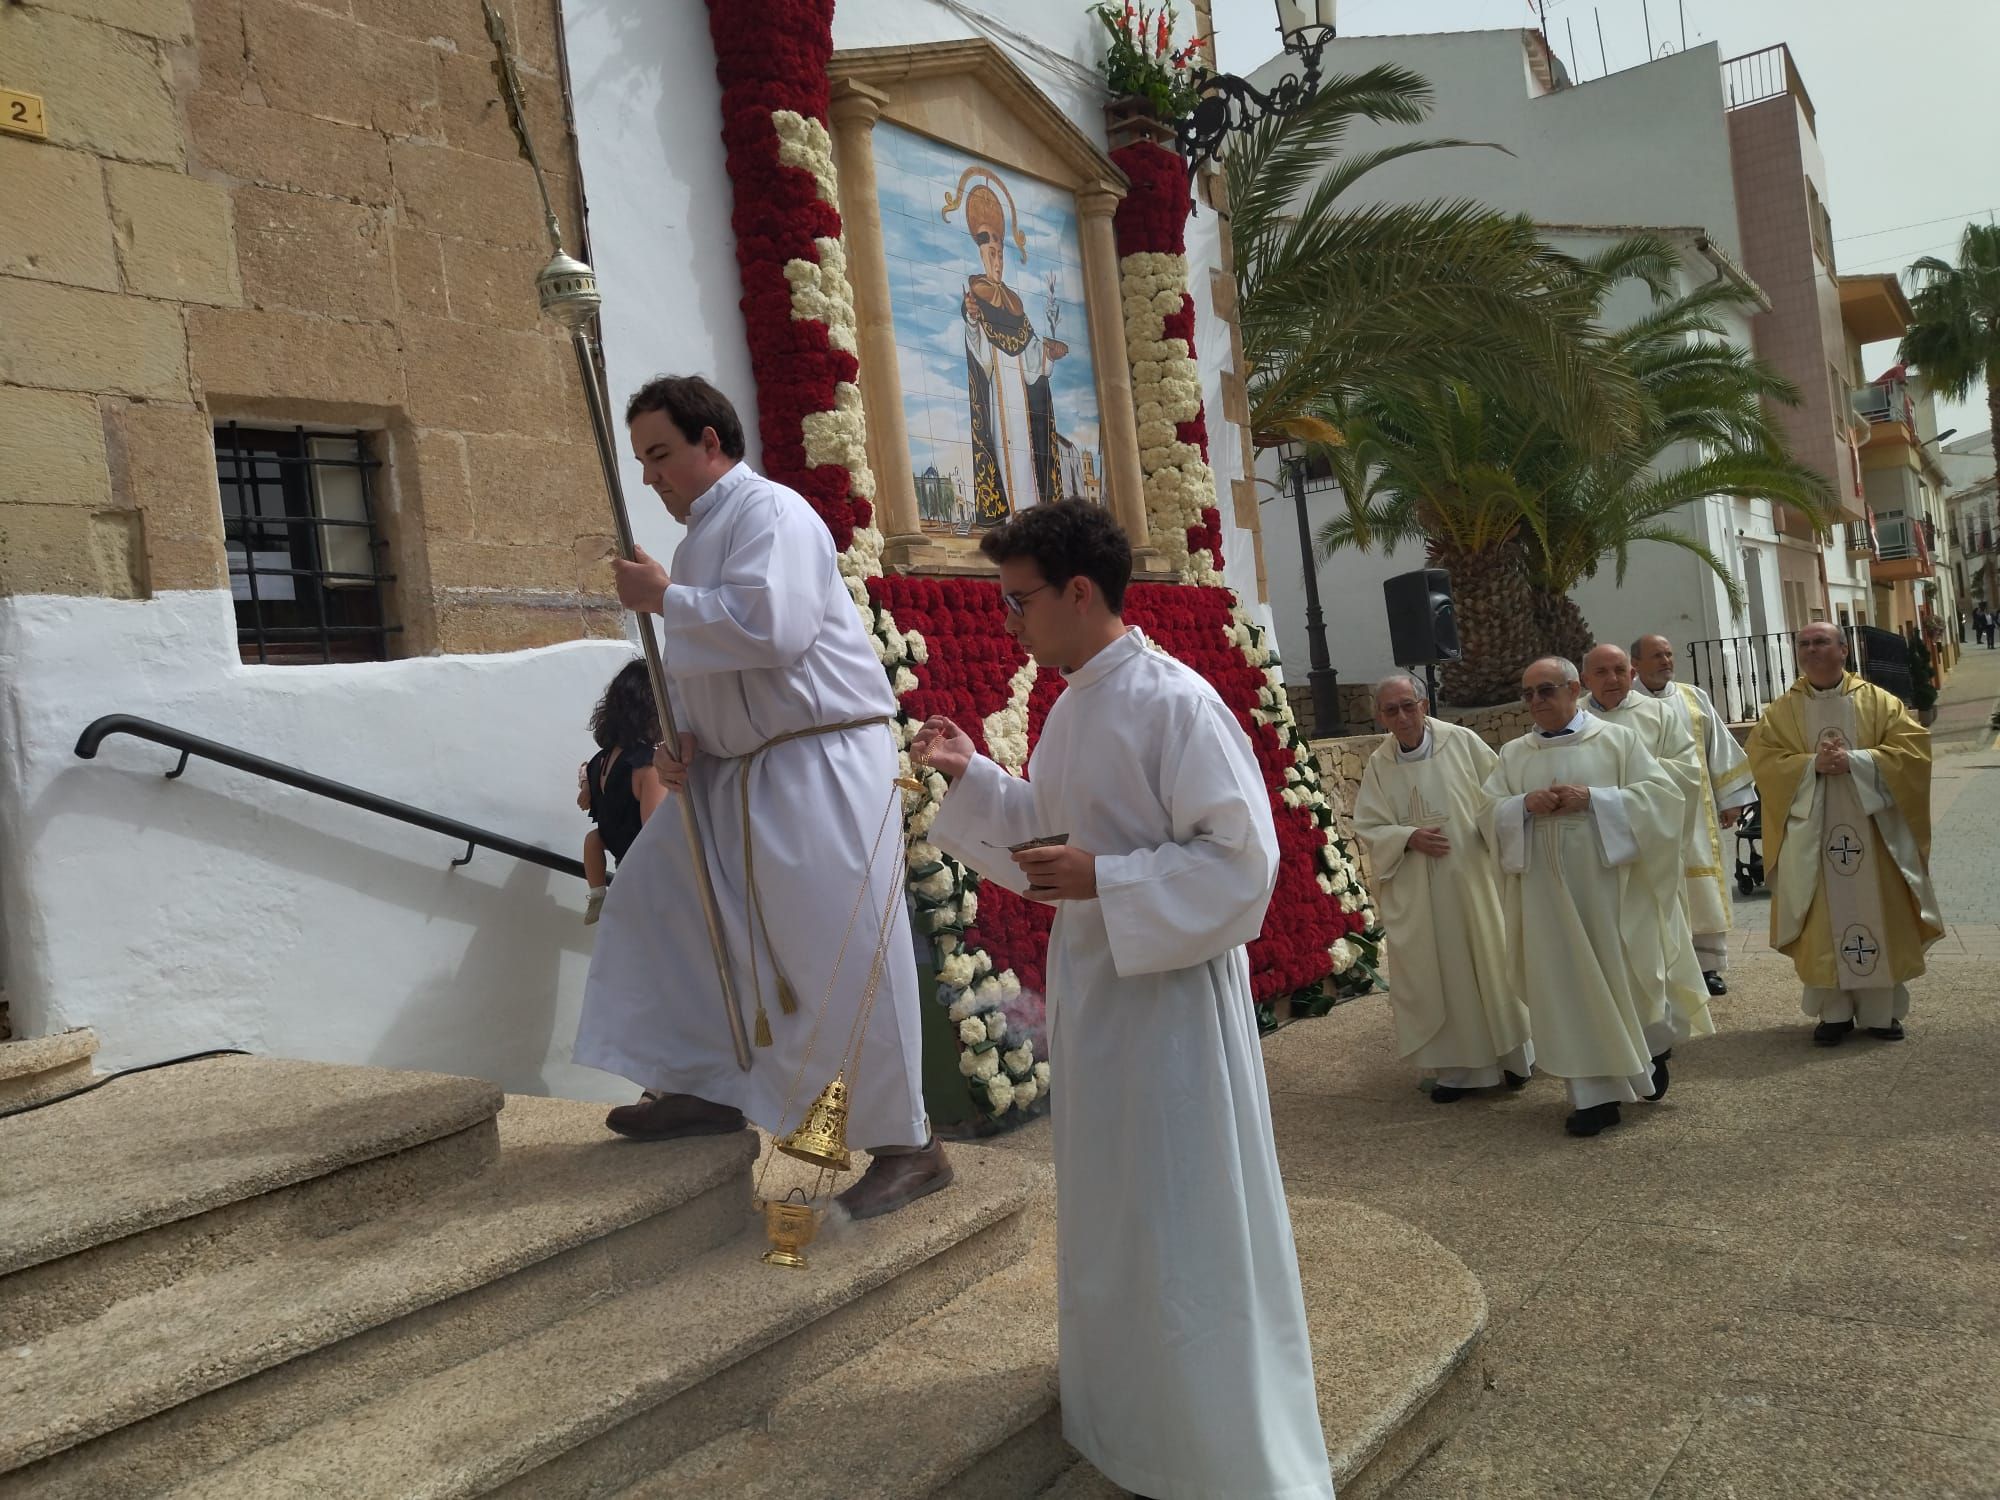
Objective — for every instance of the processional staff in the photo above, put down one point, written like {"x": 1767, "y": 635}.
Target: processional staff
{"x": 568, "y": 291}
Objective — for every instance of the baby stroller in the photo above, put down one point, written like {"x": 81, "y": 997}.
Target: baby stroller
{"x": 1750, "y": 848}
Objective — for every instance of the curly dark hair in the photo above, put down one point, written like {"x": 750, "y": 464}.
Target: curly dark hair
{"x": 1068, "y": 539}
{"x": 624, "y": 716}
{"x": 691, "y": 404}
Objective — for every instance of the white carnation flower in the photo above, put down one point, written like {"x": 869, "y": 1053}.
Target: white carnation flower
{"x": 1000, "y": 1094}
{"x": 972, "y": 1031}
{"x": 1024, "y": 1094}
{"x": 1020, "y": 1061}
{"x": 1042, "y": 1075}
{"x": 996, "y": 1023}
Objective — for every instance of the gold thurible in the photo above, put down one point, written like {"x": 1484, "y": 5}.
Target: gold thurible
{"x": 821, "y": 1139}
{"x": 790, "y": 1226}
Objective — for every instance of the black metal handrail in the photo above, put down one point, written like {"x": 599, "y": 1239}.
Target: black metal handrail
{"x": 99, "y": 730}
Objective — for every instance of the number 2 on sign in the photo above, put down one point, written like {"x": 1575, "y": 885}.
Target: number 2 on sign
{"x": 21, "y": 114}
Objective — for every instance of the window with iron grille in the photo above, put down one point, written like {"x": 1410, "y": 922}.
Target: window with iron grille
{"x": 305, "y": 556}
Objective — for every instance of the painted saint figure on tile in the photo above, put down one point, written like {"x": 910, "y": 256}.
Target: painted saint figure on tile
{"x": 999, "y": 386}
{"x": 1014, "y": 460}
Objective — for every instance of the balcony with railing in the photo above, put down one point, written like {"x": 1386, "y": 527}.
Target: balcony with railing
{"x": 1756, "y": 77}
{"x": 1904, "y": 548}
{"x": 1887, "y": 408}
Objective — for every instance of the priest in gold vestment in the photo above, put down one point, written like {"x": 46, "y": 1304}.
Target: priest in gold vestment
{"x": 1844, "y": 776}
{"x": 1451, "y": 988}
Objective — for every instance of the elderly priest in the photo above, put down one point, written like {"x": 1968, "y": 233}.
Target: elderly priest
{"x": 1586, "y": 826}
{"x": 1726, "y": 790}
{"x": 1607, "y": 673}
{"x": 1844, "y": 775}
{"x": 1451, "y": 990}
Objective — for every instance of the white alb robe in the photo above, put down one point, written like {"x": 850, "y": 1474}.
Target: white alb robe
{"x": 1581, "y": 892}
{"x": 1684, "y": 1003}
{"x": 761, "y": 638}
{"x": 1455, "y": 1007}
{"x": 1728, "y": 787}
{"x": 1186, "y": 1366}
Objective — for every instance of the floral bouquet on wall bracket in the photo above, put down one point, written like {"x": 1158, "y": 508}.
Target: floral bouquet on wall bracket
{"x": 1141, "y": 62}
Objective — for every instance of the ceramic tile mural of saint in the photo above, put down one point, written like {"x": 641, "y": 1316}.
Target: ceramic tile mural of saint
{"x": 986, "y": 290}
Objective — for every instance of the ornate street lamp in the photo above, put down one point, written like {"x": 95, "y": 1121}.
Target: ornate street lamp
{"x": 1294, "y": 464}
{"x": 1228, "y": 103}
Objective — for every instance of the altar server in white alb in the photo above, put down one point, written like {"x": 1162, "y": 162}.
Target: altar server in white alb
{"x": 1450, "y": 985}
{"x": 1683, "y": 1004}
{"x": 784, "y": 711}
{"x": 1727, "y": 789}
{"x": 1186, "y": 1369}
{"x": 1585, "y": 824}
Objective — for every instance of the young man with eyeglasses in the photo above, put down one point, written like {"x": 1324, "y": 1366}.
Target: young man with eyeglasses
{"x": 1586, "y": 826}
{"x": 1457, "y": 1012}
{"x": 1844, "y": 775}
{"x": 1186, "y": 1367}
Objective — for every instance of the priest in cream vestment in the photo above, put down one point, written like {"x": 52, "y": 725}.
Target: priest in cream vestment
{"x": 1186, "y": 1369}
{"x": 1727, "y": 790}
{"x": 1450, "y": 989}
{"x": 1844, "y": 775}
{"x": 1585, "y": 824}
{"x": 1607, "y": 673}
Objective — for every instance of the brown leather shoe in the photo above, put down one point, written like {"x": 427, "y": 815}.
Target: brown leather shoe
{"x": 666, "y": 1117}
{"x": 894, "y": 1181}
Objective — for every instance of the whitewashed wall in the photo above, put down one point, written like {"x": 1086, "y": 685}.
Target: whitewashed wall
{"x": 220, "y": 910}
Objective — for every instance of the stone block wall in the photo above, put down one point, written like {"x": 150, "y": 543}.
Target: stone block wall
{"x": 286, "y": 213}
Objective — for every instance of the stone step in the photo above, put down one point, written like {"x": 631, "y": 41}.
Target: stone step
{"x": 191, "y": 1168}
{"x": 1397, "y": 1321}
{"x": 624, "y": 1386}
{"x": 42, "y": 1067}
{"x": 198, "y": 1373}
{"x": 959, "y": 1402}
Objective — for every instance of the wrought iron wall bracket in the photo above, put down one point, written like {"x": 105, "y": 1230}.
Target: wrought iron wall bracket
{"x": 1227, "y": 103}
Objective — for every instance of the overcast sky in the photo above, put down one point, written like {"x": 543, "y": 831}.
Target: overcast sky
{"x": 1902, "y": 90}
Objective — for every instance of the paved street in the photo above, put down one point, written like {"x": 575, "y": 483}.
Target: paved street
{"x": 1779, "y": 1282}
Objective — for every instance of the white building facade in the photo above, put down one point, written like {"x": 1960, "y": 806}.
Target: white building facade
{"x": 1647, "y": 149}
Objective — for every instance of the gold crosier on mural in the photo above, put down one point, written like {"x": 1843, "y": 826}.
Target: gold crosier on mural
{"x": 1008, "y": 331}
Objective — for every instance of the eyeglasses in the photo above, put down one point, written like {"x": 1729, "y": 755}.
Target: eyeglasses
{"x": 1396, "y": 710}
{"x": 1018, "y": 603}
{"x": 1541, "y": 692}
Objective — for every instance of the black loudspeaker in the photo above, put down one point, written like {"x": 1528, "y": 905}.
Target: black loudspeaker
{"x": 1422, "y": 627}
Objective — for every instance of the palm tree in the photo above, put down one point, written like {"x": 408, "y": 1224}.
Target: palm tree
{"x": 1445, "y": 465}
{"x": 1706, "y": 429}
{"x": 1333, "y": 300}
{"x": 1955, "y": 340}
{"x": 1501, "y": 494}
